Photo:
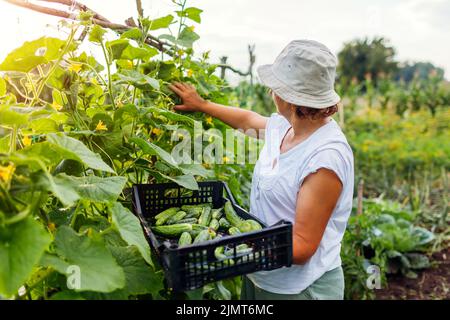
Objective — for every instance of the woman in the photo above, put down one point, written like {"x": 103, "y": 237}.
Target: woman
{"x": 304, "y": 173}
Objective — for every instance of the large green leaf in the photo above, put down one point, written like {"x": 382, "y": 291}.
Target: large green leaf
{"x": 32, "y": 54}
{"x": 98, "y": 269}
{"x": 21, "y": 246}
{"x": 93, "y": 188}
{"x": 140, "y": 277}
{"x": 188, "y": 181}
{"x": 43, "y": 125}
{"x": 11, "y": 117}
{"x": 158, "y": 23}
{"x": 76, "y": 150}
{"x": 130, "y": 230}
{"x": 153, "y": 149}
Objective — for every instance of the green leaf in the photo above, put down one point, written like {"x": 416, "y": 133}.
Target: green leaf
{"x": 99, "y": 270}
{"x": 130, "y": 230}
{"x": 33, "y": 53}
{"x": 418, "y": 261}
{"x": 21, "y": 246}
{"x": 173, "y": 116}
{"x": 10, "y": 116}
{"x": 2, "y": 87}
{"x": 187, "y": 181}
{"x": 187, "y": 37}
{"x": 96, "y": 34}
{"x": 140, "y": 278}
{"x": 134, "y": 33}
{"x": 93, "y": 188}
{"x": 74, "y": 149}
{"x": 122, "y": 49}
{"x": 158, "y": 23}
{"x": 196, "y": 170}
{"x": 423, "y": 235}
{"x": 153, "y": 149}
{"x": 67, "y": 295}
{"x": 191, "y": 13}
{"x": 43, "y": 125}
{"x": 138, "y": 79}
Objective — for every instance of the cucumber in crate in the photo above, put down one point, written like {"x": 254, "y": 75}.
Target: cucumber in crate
{"x": 203, "y": 236}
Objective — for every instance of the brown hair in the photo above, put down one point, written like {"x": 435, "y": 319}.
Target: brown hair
{"x": 313, "y": 114}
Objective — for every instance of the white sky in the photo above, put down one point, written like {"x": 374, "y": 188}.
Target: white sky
{"x": 419, "y": 29}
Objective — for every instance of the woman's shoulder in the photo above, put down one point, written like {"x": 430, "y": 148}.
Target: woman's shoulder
{"x": 277, "y": 121}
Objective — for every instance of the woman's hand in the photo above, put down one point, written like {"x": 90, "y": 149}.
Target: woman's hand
{"x": 191, "y": 99}
{"x": 249, "y": 121}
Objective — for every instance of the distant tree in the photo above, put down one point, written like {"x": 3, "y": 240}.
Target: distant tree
{"x": 418, "y": 70}
{"x": 363, "y": 58}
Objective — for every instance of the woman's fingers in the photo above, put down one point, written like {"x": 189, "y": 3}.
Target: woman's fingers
{"x": 175, "y": 89}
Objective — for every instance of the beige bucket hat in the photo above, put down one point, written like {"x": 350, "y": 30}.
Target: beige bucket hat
{"x": 303, "y": 74}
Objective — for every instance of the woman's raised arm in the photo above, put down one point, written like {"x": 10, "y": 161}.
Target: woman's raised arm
{"x": 248, "y": 121}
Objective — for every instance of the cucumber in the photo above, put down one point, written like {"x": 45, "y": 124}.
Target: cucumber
{"x": 219, "y": 254}
{"x": 214, "y": 224}
{"x": 212, "y": 233}
{"x": 217, "y": 213}
{"x": 245, "y": 226}
{"x": 231, "y": 215}
{"x": 233, "y": 230}
{"x": 255, "y": 225}
{"x": 188, "y": 220}
{"x": 240, "y": 249}
{"x": 194, "y": 212}
{"x": 224, "y": 224}
{"x": 167, "y": 213}
{"x": 204, "y": 235}
{"x": 200, "y": 206}
{"x": 176, "y": 217}
{"x": 197, "y": 228}
{"x": 185, "y": 239}
{"x": 173, "y": 230}
{"x": 205, "y": 217}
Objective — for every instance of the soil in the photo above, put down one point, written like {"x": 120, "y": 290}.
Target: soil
{"x": 432, "y": 283}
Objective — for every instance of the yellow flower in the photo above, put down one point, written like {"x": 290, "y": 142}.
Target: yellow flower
{"x": 56, "y": 106}
{"x": 26, "y": 140}
{"x": 51, "y": 226}
{"x": 192, "y": 28}
{"x": 226, "y": 159}
{"x": 101, "y": 126}
{"x": 6, "y": 173}
{"x": 156, "y": 131}
{"x": 209, "y": 120}
{"x": 129, "y": 64}
{"x": 189, "y": 73}
{"x": 75, "y": 67}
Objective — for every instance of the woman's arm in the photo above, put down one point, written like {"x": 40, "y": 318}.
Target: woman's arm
{"x": 235, "y": 117}
{"x": 316, "y": 201}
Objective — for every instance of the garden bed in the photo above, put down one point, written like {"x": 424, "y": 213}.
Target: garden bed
{"x": 432, "y": 283}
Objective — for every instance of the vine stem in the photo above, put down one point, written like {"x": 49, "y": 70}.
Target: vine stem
{"x": 108, "y": 69}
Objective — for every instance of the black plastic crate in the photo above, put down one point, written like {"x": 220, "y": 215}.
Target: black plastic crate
{"x": 193, "y": 266}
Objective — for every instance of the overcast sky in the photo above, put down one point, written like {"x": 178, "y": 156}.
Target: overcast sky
{"x": 419, "y": 29}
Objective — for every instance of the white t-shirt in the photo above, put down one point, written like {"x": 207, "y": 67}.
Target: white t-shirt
{"x": 274, "y": 196}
